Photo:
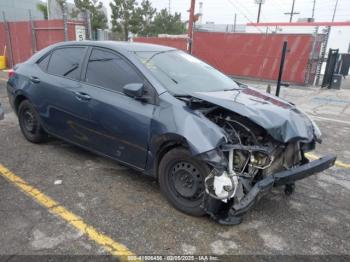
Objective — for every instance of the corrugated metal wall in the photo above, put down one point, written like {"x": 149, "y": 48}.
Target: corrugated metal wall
{"x": 180, "y": 43}
{"x": 249, "y": 55}
{"x": 239, "y": 54}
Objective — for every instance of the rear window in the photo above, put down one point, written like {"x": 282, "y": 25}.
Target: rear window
{"x": 66, "y": 62}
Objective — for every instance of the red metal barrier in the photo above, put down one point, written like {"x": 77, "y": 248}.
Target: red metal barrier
{"x": 47, "y": 32}
{"x": 179, "y": 43}
{"x": 249, "y": 55}
{"x": 255, "y": 55}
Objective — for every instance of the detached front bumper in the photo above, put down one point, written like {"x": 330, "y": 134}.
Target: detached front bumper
{"x": 279, "y": 179}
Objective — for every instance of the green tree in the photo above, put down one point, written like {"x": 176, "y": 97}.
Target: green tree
{"x": 125, "y": 18}
{"x": 165, "y": 23}
{"x": 42, "y": 7}
{"x": 144, "y": 18}
{"x": 98, "y": 17}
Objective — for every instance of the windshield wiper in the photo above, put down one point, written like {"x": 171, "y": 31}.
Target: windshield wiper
{"x": 101, "y": 60}
{"x": 158, "y": 53}
{"x": 172, "y": 79}
{"x": 182, "y": 96}
{"x": 74, "y": 66}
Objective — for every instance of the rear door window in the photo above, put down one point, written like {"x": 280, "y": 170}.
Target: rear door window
{"x": 66, "y": 62}
{"x": 43, "y": 63}
{"x": 111, "y": 71}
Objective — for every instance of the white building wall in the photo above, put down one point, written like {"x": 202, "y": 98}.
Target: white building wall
{"x": 339, "y": 38}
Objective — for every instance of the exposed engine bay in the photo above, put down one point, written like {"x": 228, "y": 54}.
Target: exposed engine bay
{"x": 249, "y": 159}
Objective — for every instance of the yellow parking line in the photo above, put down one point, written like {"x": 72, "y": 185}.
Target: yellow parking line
{"x": 337, "y": 163}
{"x": 54, "y": 207}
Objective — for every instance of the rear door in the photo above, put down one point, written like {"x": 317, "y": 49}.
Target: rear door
{"x": 122, "y": 124}
{"x": 62, "y": 101}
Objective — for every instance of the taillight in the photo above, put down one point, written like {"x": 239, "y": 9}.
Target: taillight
{"x": 11, "y": 73}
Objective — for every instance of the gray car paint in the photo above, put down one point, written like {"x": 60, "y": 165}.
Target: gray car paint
{"x": 174, "y": 122}
{"x": 282, "y": 120}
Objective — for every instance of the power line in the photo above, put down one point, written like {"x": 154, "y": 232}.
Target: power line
{"x": 245, "y": 16}
{"x": 259, "y": 3}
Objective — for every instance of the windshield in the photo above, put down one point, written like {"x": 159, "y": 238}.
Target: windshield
{"x": 183, "y": 74}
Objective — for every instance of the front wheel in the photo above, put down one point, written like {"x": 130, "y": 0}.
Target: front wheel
{"x": 181, "y": 179}
{"x": 30, "y": 124}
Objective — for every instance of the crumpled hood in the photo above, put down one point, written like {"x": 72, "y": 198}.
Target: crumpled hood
{"x": 282, "y": 120}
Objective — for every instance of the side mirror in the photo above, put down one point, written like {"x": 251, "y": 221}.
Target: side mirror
{"x": 134, "y": 90}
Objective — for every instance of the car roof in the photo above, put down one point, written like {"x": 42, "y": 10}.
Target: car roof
{"x": 120, "y": 45}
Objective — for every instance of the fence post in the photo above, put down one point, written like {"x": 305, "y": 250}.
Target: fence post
{"x": 32, "y": 25}
{"x": 190, "y": 26}
{"x": 65, "y": 24}
{"x": 283, "y": 57}
{"x": 88, "y": 24}
{"x": 9, "y": 41}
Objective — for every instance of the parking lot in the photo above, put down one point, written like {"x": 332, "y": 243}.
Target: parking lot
{"x": 101, "y": 207}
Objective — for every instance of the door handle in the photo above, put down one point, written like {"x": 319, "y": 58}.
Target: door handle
{"x": 35, "y": 79}
{"x": 82, "y": 96}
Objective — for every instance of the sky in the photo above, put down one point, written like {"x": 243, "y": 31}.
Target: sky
{"x": 222, "y": 11}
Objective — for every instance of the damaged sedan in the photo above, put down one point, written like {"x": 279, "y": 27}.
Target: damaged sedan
{"x": 216, "y": 146}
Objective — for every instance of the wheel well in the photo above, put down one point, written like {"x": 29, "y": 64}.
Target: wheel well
{"x": 165, "y": 148}
{"x": 19, "y": 99}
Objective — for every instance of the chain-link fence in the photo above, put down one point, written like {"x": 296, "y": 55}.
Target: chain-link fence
{"x": 24, "y": 29}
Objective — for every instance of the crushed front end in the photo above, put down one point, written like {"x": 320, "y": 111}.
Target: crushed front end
{"x": 250, "y": 163}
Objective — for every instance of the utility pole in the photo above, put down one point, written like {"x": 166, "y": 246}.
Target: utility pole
{"x": 292, "y": 13}
{"x": 169, "y": 6}
{"x": 313, "y": 9}
{"x": 48, "y": 9}
{"x": 65, "y": 21}
{"x": 234, "y": 25}
{"x": 259, "y": 10}
{"x": 335, "y": 10}
{"x": 190, "y": 26}
{"x": 259, "y": 3}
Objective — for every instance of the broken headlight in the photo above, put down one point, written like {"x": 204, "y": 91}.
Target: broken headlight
{"x": 317, "y": 131}
{"x": 260, "y": 160}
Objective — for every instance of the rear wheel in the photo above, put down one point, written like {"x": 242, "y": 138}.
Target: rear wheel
{"x": 181, "y": 179}
{"x": 29, "y": 123}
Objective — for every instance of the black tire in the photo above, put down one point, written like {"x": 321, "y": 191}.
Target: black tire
{"x": 29, "y": 123}
{"x": 181, "y": 180}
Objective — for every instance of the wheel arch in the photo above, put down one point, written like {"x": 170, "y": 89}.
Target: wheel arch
{"x": 163, "y": 145}
{"x": 18, "y": 100}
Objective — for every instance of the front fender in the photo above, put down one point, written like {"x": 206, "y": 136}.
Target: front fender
{"x": 173, "y": 118}
{"x": 174, "y": 122}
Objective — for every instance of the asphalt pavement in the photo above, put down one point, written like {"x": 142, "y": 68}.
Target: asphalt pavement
{"x": 126, "y": 208}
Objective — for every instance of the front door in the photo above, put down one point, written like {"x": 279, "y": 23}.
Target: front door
{"x": 122, "y": 124}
